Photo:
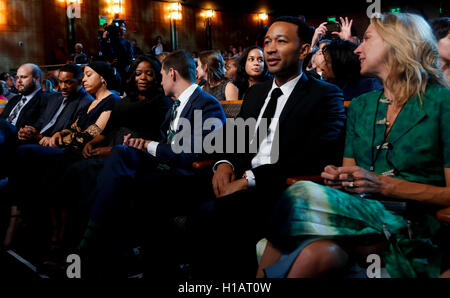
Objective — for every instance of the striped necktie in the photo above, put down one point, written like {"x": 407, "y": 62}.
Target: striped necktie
{"x": 173, "y": 114}
{"x": 15, "y": 112}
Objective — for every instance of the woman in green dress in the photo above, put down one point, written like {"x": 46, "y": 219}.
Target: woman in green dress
{"x": 395, "y": 172}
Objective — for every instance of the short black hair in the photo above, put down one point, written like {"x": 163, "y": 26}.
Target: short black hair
{"x": 344, "y": 62}
{"x": 304, "y": 31}
{"x": 440, "y": 27}
{"x": 182, "y": 62}
{"x": 4, "y": 76}
{"x": 73, "y": 69}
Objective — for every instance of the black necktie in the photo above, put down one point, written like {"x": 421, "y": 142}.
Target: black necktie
{"x": 269, "y": 112}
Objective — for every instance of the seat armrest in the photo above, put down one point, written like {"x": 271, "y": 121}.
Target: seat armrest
{"x": 313, "y": 178}
{"x": 443, "y": 215}
{"x": 202, "y": 164}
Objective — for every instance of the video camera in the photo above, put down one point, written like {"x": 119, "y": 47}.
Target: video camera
{"x": 114, "y": 28}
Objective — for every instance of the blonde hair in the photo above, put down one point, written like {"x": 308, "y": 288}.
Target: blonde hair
{"x": 413, "y": 58}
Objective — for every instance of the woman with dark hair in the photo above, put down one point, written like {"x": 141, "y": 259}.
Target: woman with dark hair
{"x": 251, "y": 70}
{"x": 140, "y": 113}
{"x": 341, "y": 67}
{"x": 211, "y": 68}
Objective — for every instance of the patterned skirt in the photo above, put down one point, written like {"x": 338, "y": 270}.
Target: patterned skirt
{"x": 308, "y": 212}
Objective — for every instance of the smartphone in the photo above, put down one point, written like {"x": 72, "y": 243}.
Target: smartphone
{"x": 333, "y": 27}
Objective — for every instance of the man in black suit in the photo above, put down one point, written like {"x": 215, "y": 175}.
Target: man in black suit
{"x": 26, "y": 107}
{"x": 305, "y": 119}
{"x": 23, "y": 109}
{"x": 62, "y": 109}
{"x": 157, "y": 173}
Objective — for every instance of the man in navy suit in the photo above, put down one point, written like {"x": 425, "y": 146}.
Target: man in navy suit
{"x": 157, "y": 169}
{"x": 62, "y": 109}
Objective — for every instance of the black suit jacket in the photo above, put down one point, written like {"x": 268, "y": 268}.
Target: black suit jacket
{"x": 68, "y": 116}
{"x": 31, "y": 111}
{"x": 311, "y": 128}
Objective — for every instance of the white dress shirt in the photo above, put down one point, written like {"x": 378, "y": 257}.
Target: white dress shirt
{"x": 263, "y": 156}
{"x": 28, "y": 97}
{"x": 184, "y": 99}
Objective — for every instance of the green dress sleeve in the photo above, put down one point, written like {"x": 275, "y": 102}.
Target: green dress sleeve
{"x": 350, "y": 130}
{"x": 445, "y": 125}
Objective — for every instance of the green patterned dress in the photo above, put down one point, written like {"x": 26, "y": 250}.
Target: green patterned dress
{"x": 419, "y": 152}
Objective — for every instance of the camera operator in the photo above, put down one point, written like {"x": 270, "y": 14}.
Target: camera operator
{"x": 116, "y": 49}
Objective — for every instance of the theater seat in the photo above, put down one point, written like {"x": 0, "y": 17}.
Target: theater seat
{"x": 231, "y": 107}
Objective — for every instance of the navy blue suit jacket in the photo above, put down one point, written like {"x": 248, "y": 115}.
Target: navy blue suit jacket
{"x": 199, "y": 101}
{"x": 68, "y": 116}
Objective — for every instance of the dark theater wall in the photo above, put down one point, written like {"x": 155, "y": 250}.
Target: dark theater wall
{"x": 39, "y": 23}
{"x": 22, "y": 33}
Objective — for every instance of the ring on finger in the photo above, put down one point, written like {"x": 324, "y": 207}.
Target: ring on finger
{"x": 351, "y": 184}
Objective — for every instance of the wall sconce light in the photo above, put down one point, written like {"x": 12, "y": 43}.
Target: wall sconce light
{"x": 115, "y": 6}
{"x": 2, "y": 12}
{"x": 207, "y": 14}
{"x": 263, "y": 16}
{"x": 71, "y": 1}
{"x": 175, "y": 11}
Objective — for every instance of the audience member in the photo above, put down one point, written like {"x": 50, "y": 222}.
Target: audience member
{"x": 251, "y": 70}
{"x": 62, "y": 109}
{"x": 47, "y": 86}
{"x": 341, "y": 67}
{"x": 308, "y": 120}
{"x": 158, "y": 47}
{"x": 211, "y": 68}
{"x": 161, "y": 56}
{"x": 117, "y": 50}
{"x": 80, "y": 57}
{"x": 318, "y": 57}
{"x": 155, "y": 166}
{"x": 60, "y": 53}
{"x": 3, "y": 99}
{"x": 140, "y": 114}
{"x": 41, "y": 165}
{"x": 383, "y": 198}
{"x": 136, "y": 49}
{"x": 26, "y": 107}
{"x": 10, "y": 83}
{"x": 231, "y": 66}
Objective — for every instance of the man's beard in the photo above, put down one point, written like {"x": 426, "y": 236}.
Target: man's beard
{"x": 28, "y": 89}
